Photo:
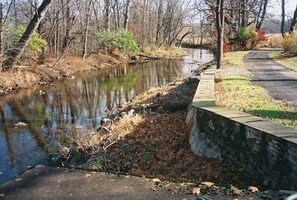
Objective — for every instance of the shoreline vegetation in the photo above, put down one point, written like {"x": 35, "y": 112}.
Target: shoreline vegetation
{"x": 233, "y": 82}
{"x": 30, "y": 74}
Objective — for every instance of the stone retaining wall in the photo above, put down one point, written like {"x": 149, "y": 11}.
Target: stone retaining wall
{"x": 266, "y": 150}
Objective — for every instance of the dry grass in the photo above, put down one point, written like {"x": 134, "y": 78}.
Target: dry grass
{"x": 274, "y": 40}
{"x": 145, "y": 97}
{"x": 234, "y": 58}
{"x": 81, "y": 139}
{"x": 286, "y": 60}
{"x": 165, "y": 52}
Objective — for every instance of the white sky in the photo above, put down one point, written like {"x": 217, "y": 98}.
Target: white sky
{"x": 275, "y": 9}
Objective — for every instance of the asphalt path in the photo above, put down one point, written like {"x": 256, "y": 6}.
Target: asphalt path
{"x": 279, "y": 81}
{"x": 43, "y": 182}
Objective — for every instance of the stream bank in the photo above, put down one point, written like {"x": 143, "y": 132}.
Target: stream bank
{"x": 29, "y": 73}
{"x": 149, "y": 138}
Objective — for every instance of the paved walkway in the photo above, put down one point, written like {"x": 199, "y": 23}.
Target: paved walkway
{"x": 44, "y": 182}
{"x": 279, "y": 81}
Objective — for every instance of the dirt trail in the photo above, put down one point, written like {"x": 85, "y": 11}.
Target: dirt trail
{"x": 279, "y": 81}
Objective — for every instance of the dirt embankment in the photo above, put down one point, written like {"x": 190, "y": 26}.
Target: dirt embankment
{"x": 30, "y": 74}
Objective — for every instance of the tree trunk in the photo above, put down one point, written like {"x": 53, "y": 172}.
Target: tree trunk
{"x": 68, "y": 27}
{"x": 126, "y": 15}
{"x": 294, "y": 21}
{"x": 220, "y": 30}
{"x": 106, "y": 13}
{"x": 84, "y": 54}
{"x": 15, "y": 54}
{"x": 283, "y": 19}
{"x": 243, "y": 13}
{"x": 261, "y": 19}
{"x": 159, "y": 26}
{"x": 15, "y": 13}
{"x": 1, "y": 28}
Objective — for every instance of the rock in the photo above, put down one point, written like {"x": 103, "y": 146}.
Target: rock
{"x": 253, "y": 189}
{"x": 165, "y": 93}
{"x": 133, "y": 57}
{"x": 57, "y": 159}
{"x": 152, "y": 107}
{"x": 156, "y": 180}
{"x": 196, "y": 191}
{"x": 190, "y": 80}
{"x": 203, "y": 198}
{"x": 72, "y": 77}
{"x": 106, "y": 121}
{"x": 138, "y": 108}
{"x": 123, "y": 114}
{"x": 21, "y": 124}
{"x": 92, "y": 159}
{"x": 174, "y": 106}
{"x": 178, "y": 82}
{"x": 103, "y": 130}
{"x": 131, "y": 112}
{"x": 79, "y": 158}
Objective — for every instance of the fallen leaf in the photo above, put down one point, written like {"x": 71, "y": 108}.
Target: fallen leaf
{"x": 253, "y": 189}
{"x": 156, "y": 180}
{"x": 235, "y": 190}
{"x": 88, "y": 175}
{"x": 196, "y": 191}
{"x": 208, "y": 184}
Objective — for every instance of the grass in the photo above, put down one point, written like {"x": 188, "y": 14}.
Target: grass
{"x": 234, "y": 58}
{"x": 236, "y": 91}
{"x": 285, "y": 59}
{"x": 164, "y": 51}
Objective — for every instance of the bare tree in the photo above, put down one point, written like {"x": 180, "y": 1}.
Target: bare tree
{"x": 283, "y": 18}
{"x": 126, "y": 14}
{"x": 107, "y": 15}
{"x": 85, "y": 42}
{"x": 1, "y": 27}
{"x": 261, "y": 13}
{"x": 219, "y": 10}
{"x": 294, "y": 21}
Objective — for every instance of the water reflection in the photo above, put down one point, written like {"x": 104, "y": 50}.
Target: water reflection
{"x": 75, "y": 102}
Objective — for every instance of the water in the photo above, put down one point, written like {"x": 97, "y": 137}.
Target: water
{"x": 81, "y": 102}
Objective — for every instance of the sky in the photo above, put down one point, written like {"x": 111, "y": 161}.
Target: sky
{"x": 275, "y": 10}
